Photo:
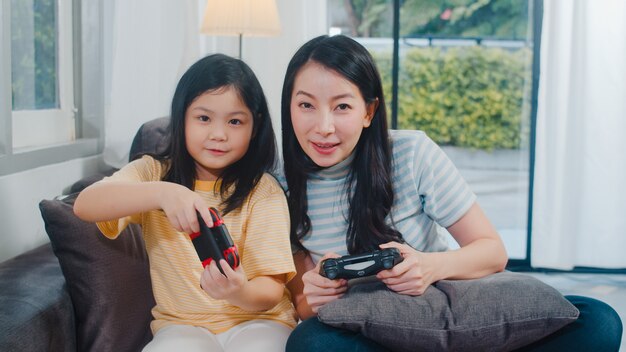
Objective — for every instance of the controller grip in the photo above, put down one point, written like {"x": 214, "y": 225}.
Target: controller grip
{"x": 360, "y": 265}
{"x": 225, "y": 245}
{"x": 215, "y": 243}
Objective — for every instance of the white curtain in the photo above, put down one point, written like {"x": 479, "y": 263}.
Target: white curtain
{"x": 154, "y": 42}
{"x": 579, "y": 210}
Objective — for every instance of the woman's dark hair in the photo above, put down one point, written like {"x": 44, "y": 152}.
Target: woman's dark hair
{"x": 369, "y": 179}
{"x": 212, "y": 73}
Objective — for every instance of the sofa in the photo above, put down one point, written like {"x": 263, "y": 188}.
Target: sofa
{"x": 84, "y": 292}
{"x": 81, "y": 291}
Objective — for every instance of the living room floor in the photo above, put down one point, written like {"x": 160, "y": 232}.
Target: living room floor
{"x": 609, "y": 288}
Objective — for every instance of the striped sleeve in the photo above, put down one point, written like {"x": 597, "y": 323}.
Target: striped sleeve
{"x": 141, "y": 170}
{"x": 267, "y": 246}
{"x": 444, "y": 194}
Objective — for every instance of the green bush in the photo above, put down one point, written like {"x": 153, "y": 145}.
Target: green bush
{"x": 473, "y": 97}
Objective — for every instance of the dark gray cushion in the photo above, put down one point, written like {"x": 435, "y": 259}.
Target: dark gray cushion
{"x": 36, "y": 312}
{"x": 83, "y": 183}
{"x": 108, "y": 280}
{"x": 500, "y": 312}
{"x": 150, "y": 138}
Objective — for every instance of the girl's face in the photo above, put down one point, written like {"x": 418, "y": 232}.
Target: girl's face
{"x": 328, "y": 114}
{"x": 218, "y": 129}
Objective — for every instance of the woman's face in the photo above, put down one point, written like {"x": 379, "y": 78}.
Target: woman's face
{"x": 328, "y": 114}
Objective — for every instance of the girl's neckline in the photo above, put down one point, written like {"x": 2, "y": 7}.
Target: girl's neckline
{"x": 338, "y": 171}
{"x": 206, "y": 186}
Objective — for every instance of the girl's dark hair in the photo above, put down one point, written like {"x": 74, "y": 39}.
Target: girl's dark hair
{"x": 369, "y": 179}
{"x": 212, "y": 73}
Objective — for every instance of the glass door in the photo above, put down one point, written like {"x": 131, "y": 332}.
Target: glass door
{"x": 465, "y": 77}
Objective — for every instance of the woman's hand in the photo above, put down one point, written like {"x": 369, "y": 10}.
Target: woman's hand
{"x": 180, "y": 205}
{"x": 222, "y": 286}
{"x": 410, "y": 277}
{"x": 319, "y": 290}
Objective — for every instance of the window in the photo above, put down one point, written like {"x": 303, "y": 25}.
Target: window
{"x": 41, "y": 82}
{"x": 464, "y": 76}
{"x": 41, "y": 72}
{"x": 370, "y": 23}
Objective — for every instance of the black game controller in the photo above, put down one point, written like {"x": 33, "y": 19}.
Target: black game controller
{"x": 361, "y": 265}
{"x": 215, "y": 243}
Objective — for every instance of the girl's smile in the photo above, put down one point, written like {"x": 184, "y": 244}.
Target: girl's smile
{"x": 217, "y": 152}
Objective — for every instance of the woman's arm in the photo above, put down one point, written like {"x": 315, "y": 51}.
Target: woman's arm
{"x": 110, "y": 200}
{"x": 309, "y": 290}
{"x": 482, "y": 253}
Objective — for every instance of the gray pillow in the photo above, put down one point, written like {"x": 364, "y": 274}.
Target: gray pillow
{"x": 108, "y": 280}
{"x": 500, "y": 312}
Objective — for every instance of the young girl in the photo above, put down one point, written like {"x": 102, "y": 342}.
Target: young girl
{"x": 221, "y": 145}
{"x": 353, "y": 186}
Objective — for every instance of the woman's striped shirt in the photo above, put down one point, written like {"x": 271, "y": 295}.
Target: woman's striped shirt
{"x": 429, "y": 193}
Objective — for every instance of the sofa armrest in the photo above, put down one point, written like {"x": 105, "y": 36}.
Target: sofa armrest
{"x": 36, "y": 312}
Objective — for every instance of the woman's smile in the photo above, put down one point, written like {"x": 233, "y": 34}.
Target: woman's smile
{"x": 325, "y": 148}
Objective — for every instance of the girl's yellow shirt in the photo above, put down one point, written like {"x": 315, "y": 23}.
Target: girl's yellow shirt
{"x": 260, "y": 229}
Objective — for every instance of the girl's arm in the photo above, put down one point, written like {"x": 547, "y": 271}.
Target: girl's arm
{"x": 267, "y": 257}
{"x": 105, "y": 201}
{"x": 482, "y": 253}
{"x": 309, "y": 290}
{"x": 258, "y": 294}
{"x": 110, "y": 200}
{"x": 303, "y": 264}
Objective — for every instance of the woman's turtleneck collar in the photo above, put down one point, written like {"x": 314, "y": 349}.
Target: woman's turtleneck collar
{"x": 336, "y": 172}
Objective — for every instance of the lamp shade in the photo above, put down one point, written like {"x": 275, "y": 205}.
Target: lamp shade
{"x": 241, "y": 17}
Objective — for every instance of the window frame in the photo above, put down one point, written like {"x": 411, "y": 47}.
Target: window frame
{"x": 512, "y": 264}
{"x": 52, "y": 125}
{"x": 87, "y": 46}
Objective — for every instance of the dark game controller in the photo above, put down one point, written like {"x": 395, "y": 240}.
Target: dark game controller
{"x": 360, "y": 265}
{"x": 215, "y": 243}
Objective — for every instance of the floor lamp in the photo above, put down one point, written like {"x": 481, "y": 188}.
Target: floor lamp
{"x": 241, "y": 17}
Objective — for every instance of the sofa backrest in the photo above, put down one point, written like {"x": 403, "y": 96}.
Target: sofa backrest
{"x": 150, "y": 138}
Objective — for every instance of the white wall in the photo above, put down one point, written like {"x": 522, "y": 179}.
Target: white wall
{"x": 21, "y": 226}
{"x": 268, "y": 57}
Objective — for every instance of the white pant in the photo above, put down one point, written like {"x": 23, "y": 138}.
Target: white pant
{"x": 254, "y": 335}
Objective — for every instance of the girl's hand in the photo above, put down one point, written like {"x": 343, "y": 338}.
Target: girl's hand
{"x": 319, "y": 290}
{"x": 180, "y": 205}
{"x": 410, "y": 277}
{"x": 222, "y": 286}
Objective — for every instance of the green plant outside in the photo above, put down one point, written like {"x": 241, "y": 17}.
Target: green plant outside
{"x": 34, "y": 54}
{"x": 473, "y": 97}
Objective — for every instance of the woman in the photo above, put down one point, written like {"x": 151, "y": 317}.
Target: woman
{"x": 353, "y": 186}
